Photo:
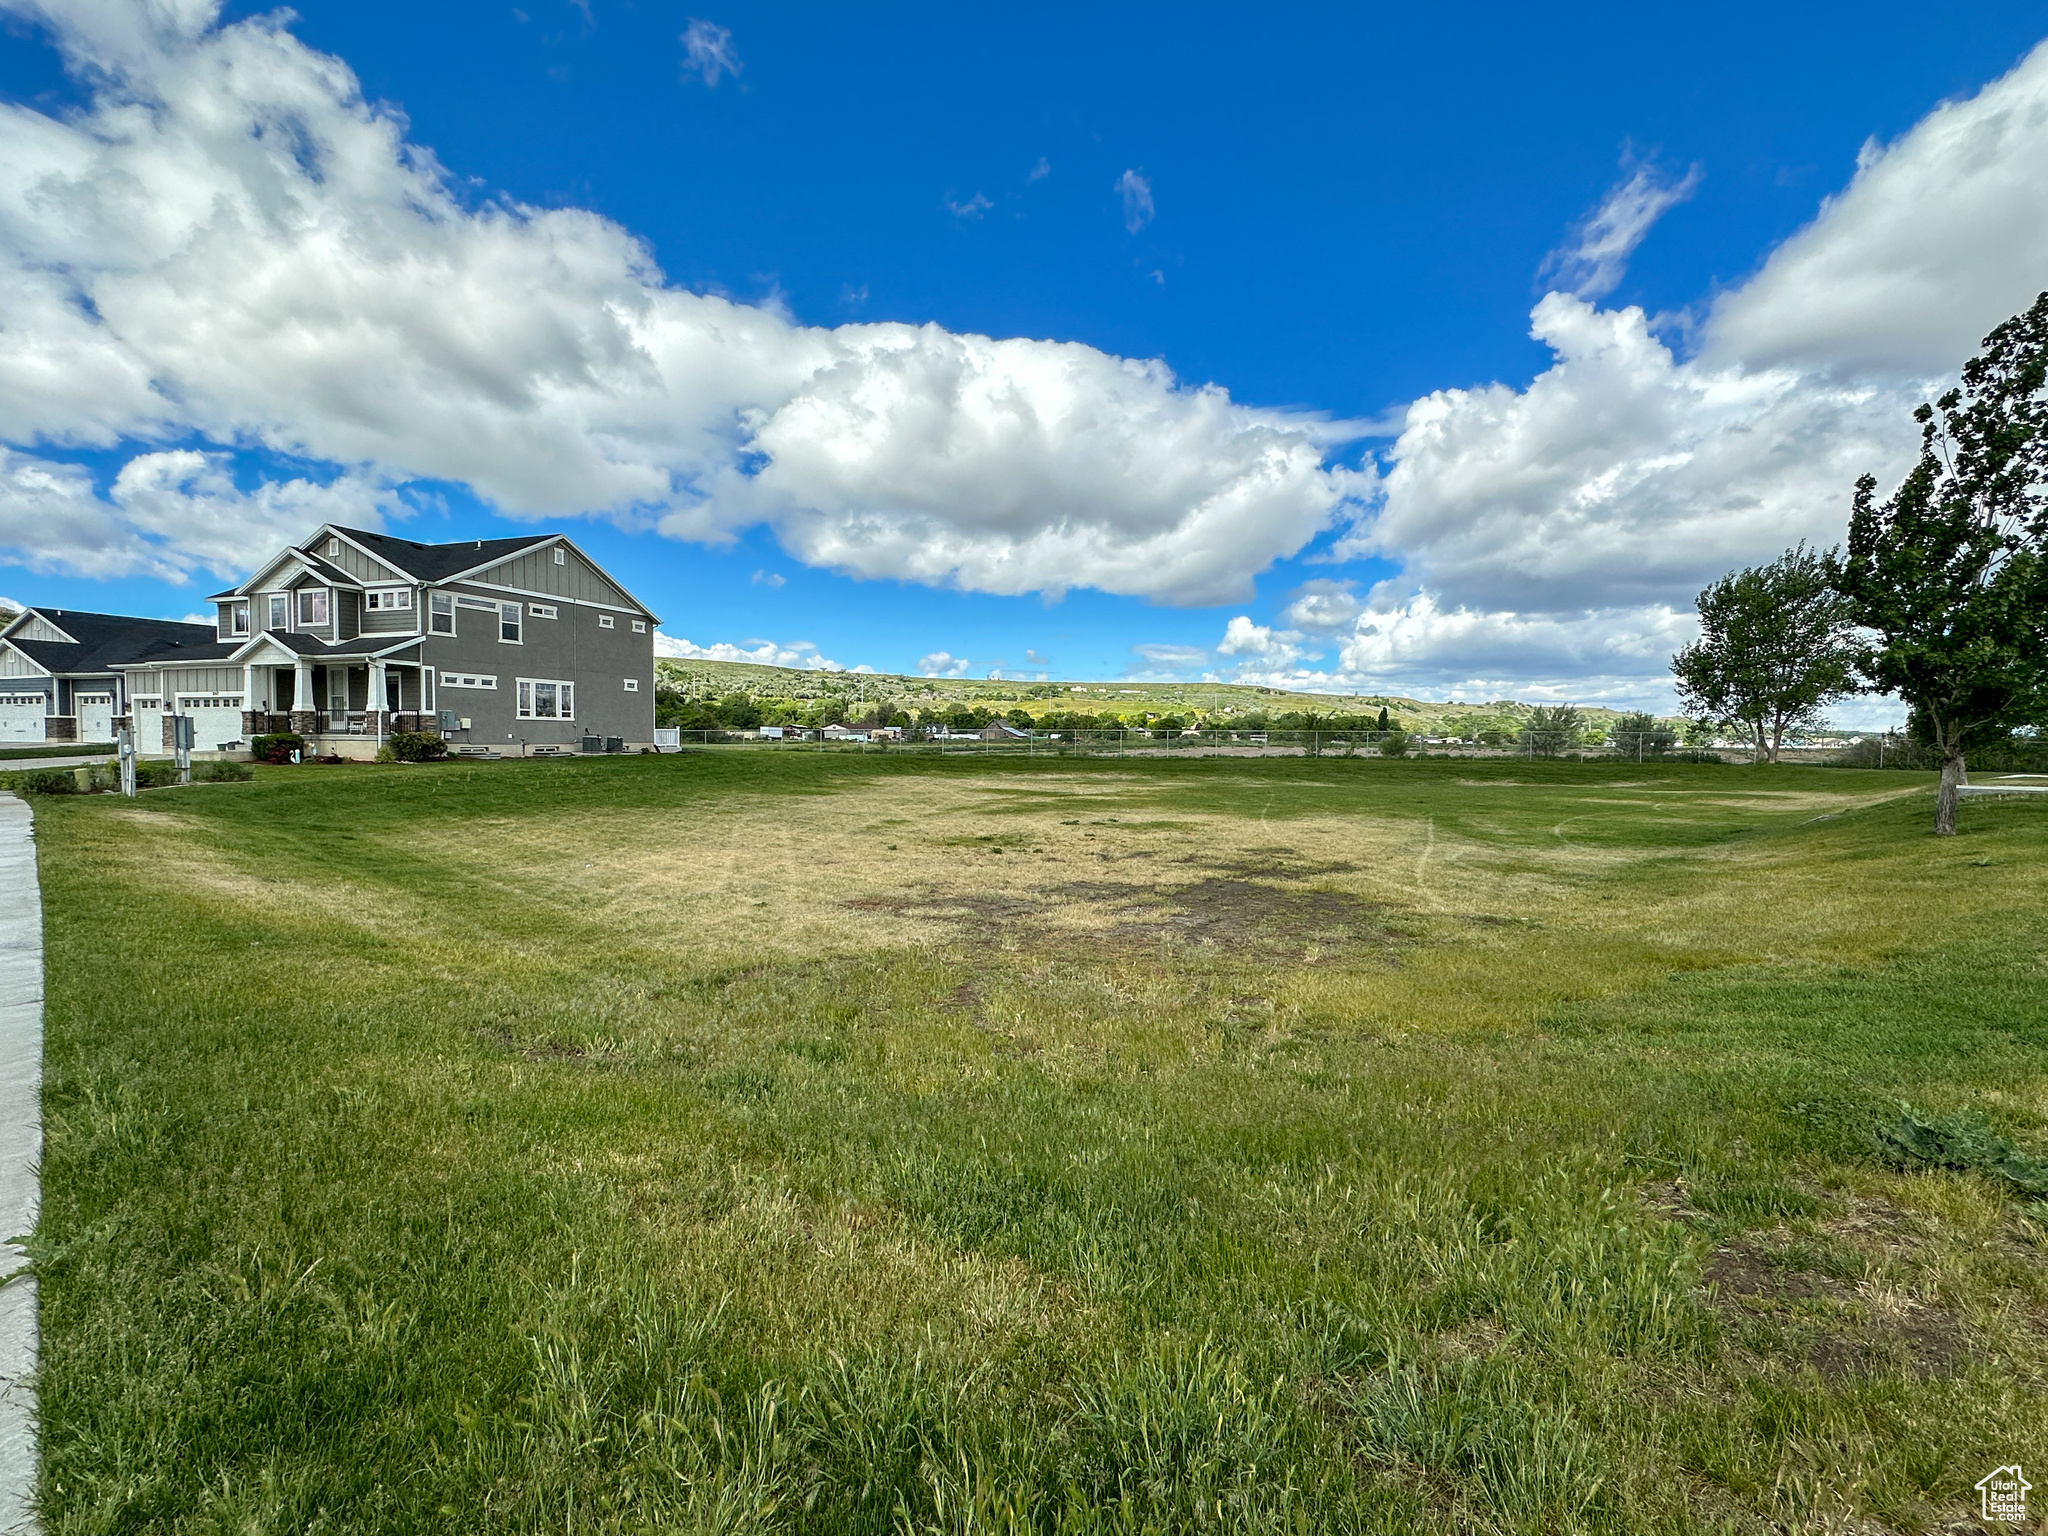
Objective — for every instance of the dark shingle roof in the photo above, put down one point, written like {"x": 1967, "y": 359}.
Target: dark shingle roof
{"x": 107, "y": 638}
{"x": 437, "y": 562}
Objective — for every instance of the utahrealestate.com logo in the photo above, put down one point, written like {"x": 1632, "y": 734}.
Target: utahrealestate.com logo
{"x": 2005, "y": 1495}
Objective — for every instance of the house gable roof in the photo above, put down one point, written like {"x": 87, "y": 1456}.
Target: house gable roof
{"x": 438, "y": 562}
{"x": 102, "y": 641}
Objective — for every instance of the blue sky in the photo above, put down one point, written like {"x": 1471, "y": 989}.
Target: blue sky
{"x": 1330, "y": 212}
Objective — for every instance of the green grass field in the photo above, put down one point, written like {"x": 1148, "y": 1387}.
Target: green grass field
{"x": 815, "y": 1144}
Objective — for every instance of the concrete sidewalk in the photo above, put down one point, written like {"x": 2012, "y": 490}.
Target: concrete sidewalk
{"x": 21, "y": 1148}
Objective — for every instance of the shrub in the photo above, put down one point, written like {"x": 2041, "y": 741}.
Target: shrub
{"x": 1395, "y": 744}
{"x": 222, "y": 771}
{"x": 418, "y": 747}
{"x": 156, "y": 774}
{"x": 277, "y": 747}
{"x": 46, "y": 781}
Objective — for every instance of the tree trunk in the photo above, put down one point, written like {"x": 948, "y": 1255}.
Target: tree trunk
{"x": 1954, "y": 774}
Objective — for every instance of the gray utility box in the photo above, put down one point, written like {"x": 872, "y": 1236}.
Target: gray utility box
{"x": 447, "y": 720}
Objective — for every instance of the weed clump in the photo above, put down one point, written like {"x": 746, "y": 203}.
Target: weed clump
{"x": 1964, "y": 1142}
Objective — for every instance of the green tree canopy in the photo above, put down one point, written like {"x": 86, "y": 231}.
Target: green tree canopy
{"x": 1552, "y": 728}
{"x": 1774, "y": 648}
{"x": 1948, "y": 575}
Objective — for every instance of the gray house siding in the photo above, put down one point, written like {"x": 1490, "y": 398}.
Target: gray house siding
{"x": 391, "y": 621}
{"x": 574, "y": 647}
{"x": 575, "y": 578}
{"x": 363, "y": 567}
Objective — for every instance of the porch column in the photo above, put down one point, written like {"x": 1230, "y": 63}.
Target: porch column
{"x": 255, "y": 711}
{"x": 377, "y": 721}
{"x": 305, "y": 709}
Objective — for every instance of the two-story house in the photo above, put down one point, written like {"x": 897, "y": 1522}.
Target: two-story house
{"x": 517, "y": 645}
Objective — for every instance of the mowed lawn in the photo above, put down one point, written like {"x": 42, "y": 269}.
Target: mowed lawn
{"x": 827, "y": 1143}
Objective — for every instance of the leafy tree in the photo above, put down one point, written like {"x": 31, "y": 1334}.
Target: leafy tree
{"x": 1949, "y": 574}
{"x": 1774, "y": 648}
{"x": 1551, "y": 729}
{"x": 1642, "y": 736}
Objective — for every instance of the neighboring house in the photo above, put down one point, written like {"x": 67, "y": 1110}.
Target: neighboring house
{"x": 507, "y": 644}
{"x": 58, "y": 669}
{"x": 1002, "y": 730}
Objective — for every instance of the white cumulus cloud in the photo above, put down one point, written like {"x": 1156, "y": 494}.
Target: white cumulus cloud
{"x": 766, "y": 653}
{"x": 228, "y": 246}
{"x": 1559, "y": 532}
{"x": 942, "y": 664}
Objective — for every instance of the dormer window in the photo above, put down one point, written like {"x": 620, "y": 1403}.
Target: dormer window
{"x": 313, "y": 605}
{"x": 237, "y": 616}
{"x": 389, "y": 598}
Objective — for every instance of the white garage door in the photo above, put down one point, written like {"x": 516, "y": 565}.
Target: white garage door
{"x": 95, "y": 716}
{"x": 21, "y": 717}
{"x": 215, "y": 721}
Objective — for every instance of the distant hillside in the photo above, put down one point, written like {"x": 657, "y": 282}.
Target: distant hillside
{"x": 716, "y": 679}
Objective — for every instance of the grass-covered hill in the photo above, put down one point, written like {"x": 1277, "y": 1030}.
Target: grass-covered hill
{"x": 863, "y": 693}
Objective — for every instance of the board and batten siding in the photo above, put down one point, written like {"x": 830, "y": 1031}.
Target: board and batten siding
{"x": 575, "y": 579}
{"x": 359, "y": 565}
{"x": 39, "y": 628}
{"x": 14, "y": 664}
{"x": 196, "y": 682}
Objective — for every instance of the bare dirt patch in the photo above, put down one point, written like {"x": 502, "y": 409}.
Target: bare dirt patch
{"x": 1838, "y": 1330}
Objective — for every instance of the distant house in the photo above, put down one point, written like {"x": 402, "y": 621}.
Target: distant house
{"x": 58, "y": 670}
{"x": 347, "y": 636}
{"x": 1002, "y": 730}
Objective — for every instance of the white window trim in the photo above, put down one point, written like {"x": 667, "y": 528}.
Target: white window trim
{"x": 433, "y": 618}
{"x": 639, "y": 626}
{"x": 544, "y": 610}
{"x": 561, "y": 558}
{"x": 326, "y": 597}
{"x": 513, "y": 613}
{"x": 606, "y": 621}
{"x": 632, "y": 685}
{"x": 522, "y": 702}
{"x": 274, "y": 600}
{"x": 393, "y": 599}
{"x": 238, "y": 619}
{"x": 468, "y": 680}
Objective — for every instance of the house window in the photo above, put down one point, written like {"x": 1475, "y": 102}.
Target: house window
{"x": 280, "y": 610}
{"x": 606, "y": 621}
{"x": 632, "y": 685}
{"x": 390, "y": 598}
{"x": 543, "y": 610}
{"x": 334, "y": 546}
{"x": 546, "y": 699}
{"x": 467, "y": 680}
{"x": 639, "y": 626}
{"x": 441, "y": 614}
{"x": 508, "y": 623}
{"x": 193, "y": 701}
{"x": 313, "y": 605}
{"x": 560, "y": 558}
{"x": 238, "y": 618}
